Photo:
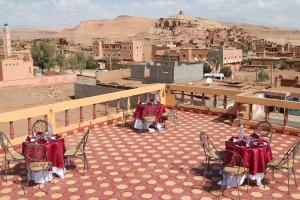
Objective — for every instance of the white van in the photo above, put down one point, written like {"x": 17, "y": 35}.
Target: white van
{"x": 219, "y": 76}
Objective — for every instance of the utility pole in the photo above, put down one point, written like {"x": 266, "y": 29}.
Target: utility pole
{"x": 110, "y": 65}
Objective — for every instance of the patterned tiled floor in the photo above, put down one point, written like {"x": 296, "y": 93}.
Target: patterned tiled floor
{"x": 166, "y": 165}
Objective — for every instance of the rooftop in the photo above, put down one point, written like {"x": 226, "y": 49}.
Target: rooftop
{"x": 124, "y": 164}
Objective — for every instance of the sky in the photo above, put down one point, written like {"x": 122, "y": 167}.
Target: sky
{"x": 68, "y": 13}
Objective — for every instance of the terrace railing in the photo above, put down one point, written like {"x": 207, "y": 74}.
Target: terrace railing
{"x": 49, "y": 112}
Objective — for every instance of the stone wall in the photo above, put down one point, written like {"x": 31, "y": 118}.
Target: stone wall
{"x": 109, "y": 76}
{"x": 40, "y": 81}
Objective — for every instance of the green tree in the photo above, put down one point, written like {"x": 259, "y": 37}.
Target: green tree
{"x": 61, "y": 62}
{"x": 226, "y": 71}
{"x": 206, "y": 68}
{"x": 43, "y": 54}
{"x": 91, "y": 63}
{"x": 263, "y": 76}
{"x": 166, "y": 57}
{"x": 77, "y": 62}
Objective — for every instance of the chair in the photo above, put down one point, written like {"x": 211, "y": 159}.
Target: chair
{"x": 233, "y": 166}
{"x": 264, "y": 130}
{"x": 37, "y": 161}
{"x": 127, "y": 113}
{"x": 39, "y": 126}
{"x": 79, "y": 151}
{"x": 210, "y": 151}
{"x": 10, "y": 154}
{"x": 287, "y": 162}
{"x": 171, "y": 114}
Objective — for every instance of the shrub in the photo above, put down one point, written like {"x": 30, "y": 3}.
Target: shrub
{"x": 226, "y": 71}
{"x": 206, "y": 68}
{"x": 263, "y": 76}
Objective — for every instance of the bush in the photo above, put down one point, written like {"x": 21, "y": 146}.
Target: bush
{"x": 91, "y": 63}
{"x": 206, "y": 68}
{"x": 263, "y": 76}
{"x": 226, "y": 71}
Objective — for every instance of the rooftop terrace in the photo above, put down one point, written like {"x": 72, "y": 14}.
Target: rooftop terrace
{"x": 124, "y": 164}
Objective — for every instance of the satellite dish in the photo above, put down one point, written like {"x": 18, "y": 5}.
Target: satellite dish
{"x": 209, "y": 81}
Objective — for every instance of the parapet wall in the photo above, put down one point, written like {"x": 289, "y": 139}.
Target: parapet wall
{"x": 40, "y": 81}
{"x": 109, "y": 76}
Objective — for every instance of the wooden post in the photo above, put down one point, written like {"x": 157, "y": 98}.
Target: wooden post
{"x": 148, "y": 97}
{"x": 94, "y": 111}
{"x": 225, "y": 102}
{"x": 67, "y": 119}
{"x": 106, "y": 108}
{"x": 11, "y": 130}
{"x": 118, "y": 105}
{"x": 138, "y": 99}
{"x": 182, "y": 97}
{"x": 81, "y": 114}
{"x": 286, "y": 116}
{"x": 215, "y": 101}
{"x": 203, "y": 99}
{"x": 29, "y": 122}
{"x": 128, "y": 104}
{"x": 192, "y": 98}
{"x": 267, "y": 113}
{"x": 250, "y": 111}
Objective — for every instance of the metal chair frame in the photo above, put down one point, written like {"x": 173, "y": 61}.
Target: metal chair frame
{"x": 80, "y": 152}
{"x": 39, "y": 124}
{"x": 288, "y": 156}
{"x": 264, "y": 126}
{"x": 35, "y": 157}
{"x": 173, "y": 114}
{"x": 233, "y": 155}
{"x": 127, "y": 113}
{"x": 208, "y": 147}
{"x": 8, "y": 148}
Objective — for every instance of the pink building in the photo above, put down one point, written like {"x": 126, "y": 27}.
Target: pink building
{"x": 127, "y": 51}
{"x": 14, "y": 65}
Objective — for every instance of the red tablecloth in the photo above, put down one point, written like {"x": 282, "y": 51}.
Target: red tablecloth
{"x": 55, "y": 151}
{"x": 255, "y": 158}
{"x": 150, "y": 110}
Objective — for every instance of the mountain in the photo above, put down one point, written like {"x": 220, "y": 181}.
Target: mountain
{"x": 179, "y": 27}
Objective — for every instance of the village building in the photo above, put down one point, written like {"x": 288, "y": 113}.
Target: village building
{"x": 14, "y": 64}
{"x": 135, "y": 51}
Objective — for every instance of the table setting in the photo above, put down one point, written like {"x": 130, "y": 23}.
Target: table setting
{"x": 256, "y": 154}
{"x": 55, "y": 147}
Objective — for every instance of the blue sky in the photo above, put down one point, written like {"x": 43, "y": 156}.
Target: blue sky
{"x": 57, "y": 13}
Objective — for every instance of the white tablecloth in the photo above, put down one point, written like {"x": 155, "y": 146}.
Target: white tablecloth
{"x": 139, "y": 124}
{"x": 38, "y": 177}
{"x": 232, "y": 181}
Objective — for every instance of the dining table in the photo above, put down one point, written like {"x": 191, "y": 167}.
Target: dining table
{"x": 55, "y": 148}
{"x": 149, "y": 109}
{"x": 256, "y": 154}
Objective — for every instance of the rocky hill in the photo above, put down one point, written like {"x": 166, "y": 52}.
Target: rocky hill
{"x": 180, "y": 27}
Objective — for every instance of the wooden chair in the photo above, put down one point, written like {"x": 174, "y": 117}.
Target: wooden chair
{"x": 39, "y": 126}
{"x": 237, "y": 169}
{"x": 79, "y": 151}
{"x": 210, "y": 151}
{"x": 37, "y": 161}
{"x": 10, "y": 154}
{"x": 287, "y": 162}
{"x": 171, "y": 114}
{"x": 264, "y": 130}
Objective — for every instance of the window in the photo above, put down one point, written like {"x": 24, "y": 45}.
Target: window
{"x": 199, "y": 55}
{"x": 130, "y": 47}
{"x": 184, "y": 55}
{"x": 224, "y": 58}
{"x": 130, "y": 56}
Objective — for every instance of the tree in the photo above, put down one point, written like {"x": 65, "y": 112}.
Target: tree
{"x": 77, "y": 61}
{"x": 206, "y": 68}
{"x": 91, "y": 63}
{"x": 61, "y": 62}
{"x": 43, "y": 54}
{"x": 166, "y": 57}
{"x": 263, "y": 76}
{"x": 226, "y": 71}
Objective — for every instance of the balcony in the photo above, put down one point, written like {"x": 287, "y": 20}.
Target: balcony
{"x": 125, "y": 164}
